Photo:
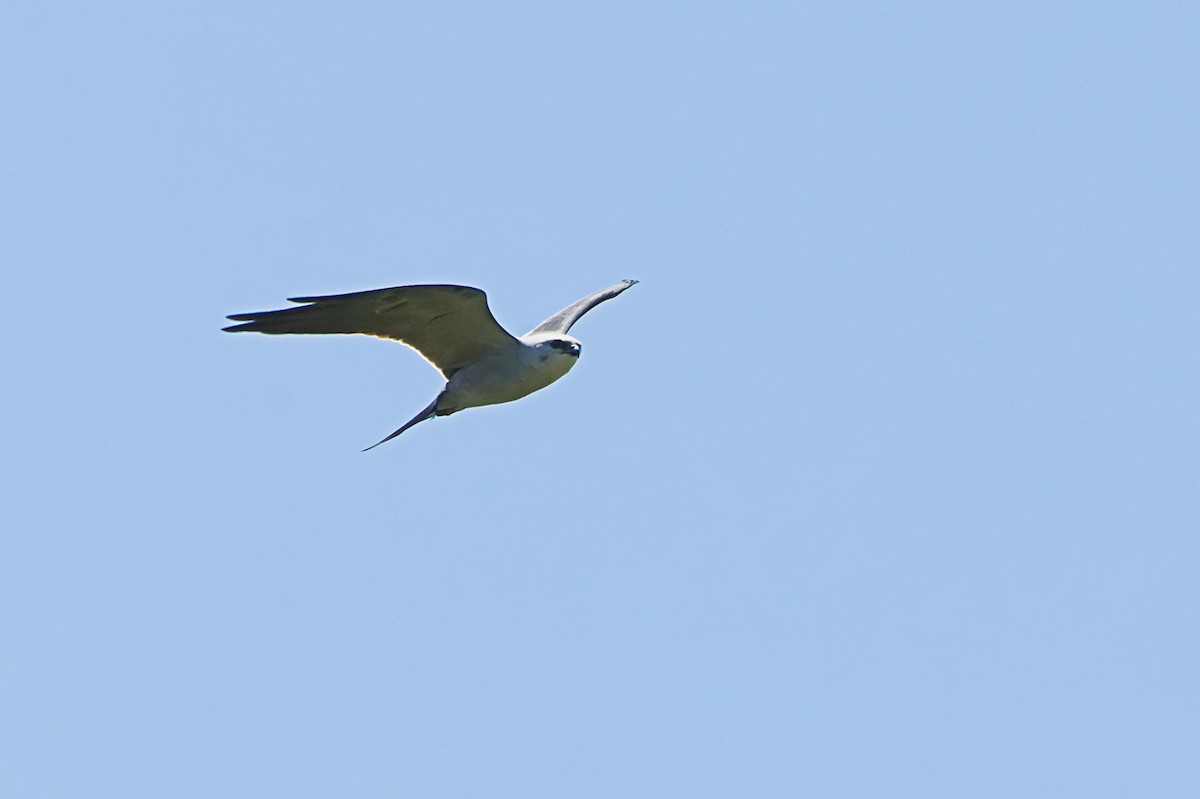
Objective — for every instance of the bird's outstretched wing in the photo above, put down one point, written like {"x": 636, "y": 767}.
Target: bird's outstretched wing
{"x": 561, "y": 322}
{"x": 451, "y": 326}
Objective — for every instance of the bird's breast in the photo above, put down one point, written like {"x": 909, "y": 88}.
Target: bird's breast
{"x": 504, "y": 378}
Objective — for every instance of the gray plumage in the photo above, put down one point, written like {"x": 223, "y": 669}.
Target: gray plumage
{"x": 452, "y": 328}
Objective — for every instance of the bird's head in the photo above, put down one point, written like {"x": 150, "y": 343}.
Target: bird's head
{"x": 554, "y": 344}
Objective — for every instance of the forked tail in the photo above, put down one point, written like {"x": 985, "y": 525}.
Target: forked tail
{"x": 429, "y": 412}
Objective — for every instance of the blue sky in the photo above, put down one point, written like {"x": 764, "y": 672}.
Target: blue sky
{"x": 883, "y": 482}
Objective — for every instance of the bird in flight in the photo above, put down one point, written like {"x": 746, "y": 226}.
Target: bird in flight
{"x": 452, "y": 328}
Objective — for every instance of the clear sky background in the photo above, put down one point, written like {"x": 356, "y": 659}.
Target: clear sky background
{"x": 883, "y": 482}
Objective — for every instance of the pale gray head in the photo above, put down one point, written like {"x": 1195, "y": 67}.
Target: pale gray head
{"x": 553, "y": 343}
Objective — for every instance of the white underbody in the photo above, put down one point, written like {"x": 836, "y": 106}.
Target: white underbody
{"x": 506, "y": 377}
